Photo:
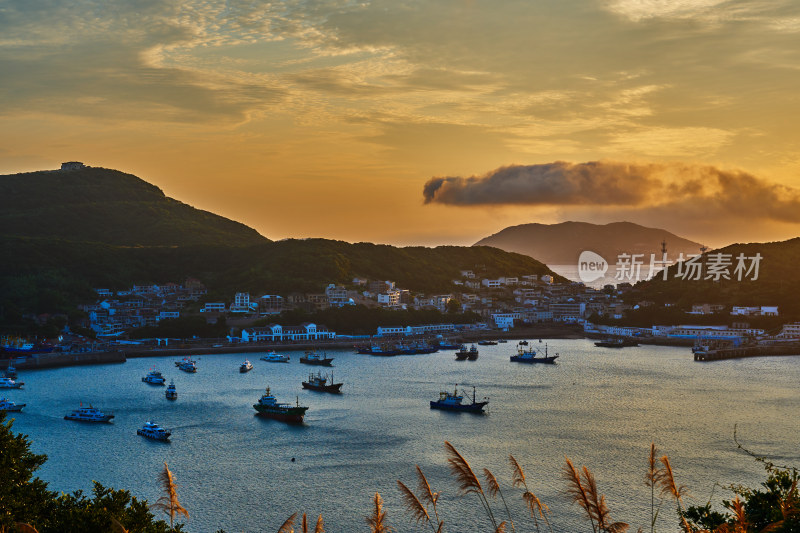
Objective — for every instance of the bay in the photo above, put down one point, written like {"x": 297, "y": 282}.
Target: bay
{"x": 600, "y": 407}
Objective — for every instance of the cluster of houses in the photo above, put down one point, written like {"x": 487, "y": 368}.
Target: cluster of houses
{"x": 116, "y": 312}
{"x": 503, "y": 302}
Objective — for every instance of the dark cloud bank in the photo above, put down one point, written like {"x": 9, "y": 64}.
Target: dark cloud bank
{"x": 701, "y": 189}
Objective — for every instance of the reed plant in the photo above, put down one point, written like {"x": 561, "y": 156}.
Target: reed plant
{"x": 168, "y": 502}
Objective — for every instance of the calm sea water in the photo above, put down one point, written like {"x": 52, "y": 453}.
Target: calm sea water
{"x": 600, "y": 407}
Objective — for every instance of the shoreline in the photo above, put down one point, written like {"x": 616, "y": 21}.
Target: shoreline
{"x": 205, "y": 347}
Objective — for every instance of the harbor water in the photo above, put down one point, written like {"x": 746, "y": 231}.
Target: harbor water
{"x": 600, "y": 407}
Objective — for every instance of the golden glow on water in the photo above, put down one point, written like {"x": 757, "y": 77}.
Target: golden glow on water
{"x": 600, "y": 407}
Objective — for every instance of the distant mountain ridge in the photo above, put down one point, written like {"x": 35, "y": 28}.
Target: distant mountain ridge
{"x": 108, "y": 206}
{"x": 562, "y": 244}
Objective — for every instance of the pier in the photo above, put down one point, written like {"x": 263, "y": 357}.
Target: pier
{"x": 792, "y": 348}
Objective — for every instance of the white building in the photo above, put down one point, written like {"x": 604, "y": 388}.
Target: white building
{"x": 276, "y": 332}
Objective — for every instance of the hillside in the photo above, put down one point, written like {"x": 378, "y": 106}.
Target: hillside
{"x": 778, "y": 281}
{"x": 70, "y": 231}
{"x": 561, "y": 244}
{"x": 107, "y": 206}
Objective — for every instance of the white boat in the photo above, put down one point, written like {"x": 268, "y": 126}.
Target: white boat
{"x": 88, "y": 414}
{"x": 154, "y": 378}
{"x": 171, "y": 392}
{"x": 8, "y": 383}
{"x": 273, "y": 357}
{"x": 151, "y": 430}
{"x": 8, "y": 405}
{"x": 187, "y": 359}
{"x": 247, "y": 366}
{"x": 188, "y": 366}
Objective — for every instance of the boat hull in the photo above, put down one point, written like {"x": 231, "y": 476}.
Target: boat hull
{"x": 243, "y": 370}
{"x": 335, "y": 388}
{"x": 153, "y": 381}
{"x": 292, "y": 415}
{"x": 316, "y": 362}
{"x": 476, "y": 407}
{"x": 106, "y": 418}
{"x": 531, "y": 360}
{"x": 161, "y": 438}
{"x": 13, "y": 409}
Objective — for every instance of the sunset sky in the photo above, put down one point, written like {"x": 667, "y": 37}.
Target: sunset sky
{"x": 421, "y": 122}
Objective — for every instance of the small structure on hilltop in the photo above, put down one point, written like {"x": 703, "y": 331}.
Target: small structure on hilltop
{"x": 72, "y": 165}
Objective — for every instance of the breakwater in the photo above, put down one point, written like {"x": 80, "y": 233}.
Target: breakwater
{"x": 720, "y": 354}
{"x": 54, "y": 360}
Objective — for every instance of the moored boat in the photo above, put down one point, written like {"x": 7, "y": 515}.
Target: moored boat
{"x": 151, "y": 430}
{"x": 171, "y": 393}
{"x": 462, "y": 353}
{"x": 454, "y": 402}
{"x": 269, "y": 407}
{"x": 446, "y": 345}
{"x": 8, "y": 405}
{"x": 11, "y": 372}
{"x": 88, "y": 414}
{"x": 377, "y": 349}
{"x": 618, "y": 342}
{"x": 322, "y": 383}
{"x": 473, "y": 353}
{"x": 154, "y": 377}
{"x": 8, "y": 383}
{"x": 188, "y": 366}
{"x": 487, "y": 343}
{"x": 273, "y": 357}
{"x": 187, "y": 359}
{"x": 247, "y": 366}
{"x": 532, "y": 356}
{"x": 315, "y": 358}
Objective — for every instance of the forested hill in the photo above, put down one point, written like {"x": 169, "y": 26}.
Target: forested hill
{"x": 65, "y": 232}
{"x": 778, "y": 281}
{"x": 107, "y": 206}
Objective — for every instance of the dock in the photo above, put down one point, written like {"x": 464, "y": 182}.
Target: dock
{"x": 762, "y": 350}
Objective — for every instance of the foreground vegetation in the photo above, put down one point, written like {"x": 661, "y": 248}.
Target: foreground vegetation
{"x": 27, "y": 505}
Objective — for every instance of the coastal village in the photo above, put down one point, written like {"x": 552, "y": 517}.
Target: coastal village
{"x": 502, "y": 304}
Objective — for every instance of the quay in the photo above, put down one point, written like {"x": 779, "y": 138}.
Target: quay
{"x": 789, "y": 348}
{"x": 55, "y": 360}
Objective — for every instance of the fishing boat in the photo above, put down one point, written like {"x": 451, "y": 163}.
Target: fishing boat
{"x": 618, "y": 342}
{"x": 88, "y": 414}
{"x": 247, "y": 366}
{"x": 273, "y": 357}
{"x": 487, "y": 343}
{"x": 522, "y": 343}
{"x": 445, "y": 345}
{"x": 454, "y": 402}
{"x": 322, "y": 383}
{"x": 472, "y": 355}
{"x": 8, "y": 383}
{"x": 11, "y": 372}
{"x": 269, "y": 407}
{"x": 187, "y": 359}
{"x": 377, "y": 349}
{"x": 315, "y": 358}
{"x": 12, "y": 407}
{"x": 171, "y": 393}
{"x": 154, "y": 377}
{"x": 188, "y": 366}
{"x": 151, "y": 430}
{"x": 532, "y": 356}
{"x": 462, "y": 353}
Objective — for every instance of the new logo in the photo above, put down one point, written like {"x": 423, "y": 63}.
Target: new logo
{"x": 591, "y": 266}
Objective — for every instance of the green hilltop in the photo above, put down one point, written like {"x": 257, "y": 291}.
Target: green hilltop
{"x": 65, "y": 232}
{"x": 778, "y": 280}
{"x": 100, "y": 205}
